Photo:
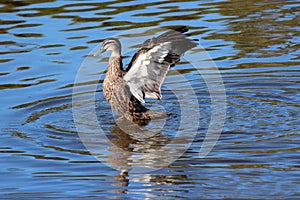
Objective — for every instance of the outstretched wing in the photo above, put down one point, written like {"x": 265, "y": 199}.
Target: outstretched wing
{"x": 150, "y": 64}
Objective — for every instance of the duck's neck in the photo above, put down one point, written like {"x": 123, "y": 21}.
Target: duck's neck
{"x": 115, "y": 68}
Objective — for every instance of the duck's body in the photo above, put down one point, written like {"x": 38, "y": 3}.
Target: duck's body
{"x": 118, "y": 95}
{"x": 125, "y": 90}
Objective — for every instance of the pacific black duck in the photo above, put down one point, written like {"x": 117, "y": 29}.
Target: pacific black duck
{"x": 126, "y": 89}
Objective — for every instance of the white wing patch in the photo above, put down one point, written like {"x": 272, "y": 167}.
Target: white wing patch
{"x": 148, "y": 72}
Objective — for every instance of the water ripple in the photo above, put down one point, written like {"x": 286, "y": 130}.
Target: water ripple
{"x": 255, "y": 46}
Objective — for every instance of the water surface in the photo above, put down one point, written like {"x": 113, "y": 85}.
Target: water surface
{"x": 255, "y": 46}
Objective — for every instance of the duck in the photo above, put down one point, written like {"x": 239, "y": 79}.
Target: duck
{"x": 126, "y": 89}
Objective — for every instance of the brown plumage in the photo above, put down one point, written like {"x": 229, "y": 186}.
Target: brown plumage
{"x": 118, "y": 94}
{"x": 125, "y": 90}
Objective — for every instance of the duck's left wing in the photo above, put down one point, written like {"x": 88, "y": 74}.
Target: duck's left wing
{"x": 150, "y": 64}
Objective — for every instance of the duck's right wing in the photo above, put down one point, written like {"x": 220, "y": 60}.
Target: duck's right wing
{"x": 150, "y": 64}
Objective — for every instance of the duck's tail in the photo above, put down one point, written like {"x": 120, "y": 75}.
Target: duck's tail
{"x": 143, "y": 118}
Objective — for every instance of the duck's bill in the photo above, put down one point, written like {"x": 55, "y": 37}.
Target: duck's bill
{"x": 98, "y": 52}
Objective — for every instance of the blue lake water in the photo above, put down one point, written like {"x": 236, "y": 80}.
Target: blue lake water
{"x": 253, "y": 46}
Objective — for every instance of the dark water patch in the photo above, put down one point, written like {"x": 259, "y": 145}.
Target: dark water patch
{"x": 25, "y": 26}
{"x": 28, "y": 35}
{"x": 4, "y": 73}
{"x": 76, "y": 37}
{"x": 52, "y": 46}
{"x": 14, "y": 86}
{"x": 6, "y": 60}
{"x": 23, "y": 68}
{"x": 9, "y": 22}
{"x": 78, "y": 48}
{"x": 60, "y": 62}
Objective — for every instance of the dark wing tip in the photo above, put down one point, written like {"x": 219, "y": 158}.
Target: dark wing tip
{"x": 174, "y": 34}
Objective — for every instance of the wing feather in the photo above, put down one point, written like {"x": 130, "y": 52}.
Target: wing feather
{"x": 150, "y": 64}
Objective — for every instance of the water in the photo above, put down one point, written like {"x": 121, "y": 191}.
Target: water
{"x": 255, "y": 46}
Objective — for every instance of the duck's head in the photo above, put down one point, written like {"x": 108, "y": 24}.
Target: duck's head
{"x": 111, "y": 44}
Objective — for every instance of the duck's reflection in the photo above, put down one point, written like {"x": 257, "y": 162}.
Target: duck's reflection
{"x": 137, "y": 151}
{"x": 122, "y": 182}
{"x": 168, "y": 181}
{"x": 137, "y": 146}
{"x": 133, "y": 148}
